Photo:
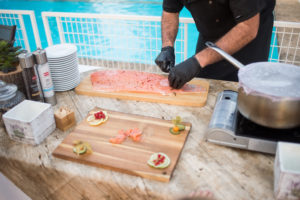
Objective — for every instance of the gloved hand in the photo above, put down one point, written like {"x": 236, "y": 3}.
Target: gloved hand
{"x": 166, "y": 59}
{"x": 184, "y": 72}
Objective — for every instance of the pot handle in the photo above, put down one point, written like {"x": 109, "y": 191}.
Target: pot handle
{"x": 228, "y": 57}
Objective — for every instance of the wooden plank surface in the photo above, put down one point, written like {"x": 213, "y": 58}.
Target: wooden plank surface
{"x": 129, "y": 157}
{"x": 187, "y": 99}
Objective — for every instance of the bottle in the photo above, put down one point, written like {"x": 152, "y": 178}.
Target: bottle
{"x": 45, "y": 76}
{"x": 30, "y": 76}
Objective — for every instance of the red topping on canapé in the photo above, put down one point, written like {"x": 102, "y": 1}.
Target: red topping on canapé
{"x": 160, "y": 159}
{"x": 99, "y": 115}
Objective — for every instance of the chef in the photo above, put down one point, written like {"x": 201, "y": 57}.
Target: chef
{"x": 242, "y": 28}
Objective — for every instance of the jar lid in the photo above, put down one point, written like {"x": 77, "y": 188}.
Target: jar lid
{"x": 272, "y": 80}
{"x": 40, "y": 56}
{"x": 26, "y": 60}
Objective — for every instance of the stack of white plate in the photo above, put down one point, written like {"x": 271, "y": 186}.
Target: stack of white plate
{"x": 63, "y": 64}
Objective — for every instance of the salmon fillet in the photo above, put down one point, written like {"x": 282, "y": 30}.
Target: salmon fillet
{"x": 135, "y": 81}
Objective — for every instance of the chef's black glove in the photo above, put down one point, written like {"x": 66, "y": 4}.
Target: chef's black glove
{"x": 184, "y": 72}
{"x": 166, "y": 59}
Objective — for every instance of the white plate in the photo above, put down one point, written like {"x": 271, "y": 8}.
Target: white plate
{"x": 66, "y": 59}
{"x": 60, "y": 89}
{"x": 72, "y": 55}
{"x": 66, "y": 81}
{"x": 64, "y": 72}
{"x": 75, "y": 63}
{"x": 58, "y": 77}
{"x": 60, "y": 50}
{"x": 66, "y": 87}
{"x": 62, "y": 60}
{"x": 65, "y": 78}
{"x": 63, "y": 87}
{"x": 64, "y": 68}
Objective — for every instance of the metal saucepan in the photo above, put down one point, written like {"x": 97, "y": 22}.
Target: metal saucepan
{"x": 269, "y": 93}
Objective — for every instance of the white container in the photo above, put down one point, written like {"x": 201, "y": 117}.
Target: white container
{"x": 30, "y": 122}
{"x": 45, "y": 76}
{"x": 287, "y": 171}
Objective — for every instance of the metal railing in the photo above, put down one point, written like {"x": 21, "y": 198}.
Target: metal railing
{"x": 128, "y": 41}
{"x": 132, "y": 42}
{"x": 285, "y": 44}
{"x": 114, "y": 41}
{"x": 27, "y": 34}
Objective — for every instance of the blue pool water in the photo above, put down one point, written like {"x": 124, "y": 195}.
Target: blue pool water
{"x": 126, "y": 7}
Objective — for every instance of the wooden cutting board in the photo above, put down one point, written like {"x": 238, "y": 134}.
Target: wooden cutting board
{"x": 129, "y": 157}
{"x": 187, "y": 99}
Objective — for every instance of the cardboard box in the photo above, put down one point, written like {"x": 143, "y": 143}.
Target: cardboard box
{"x": 29, "y": 122}
{"x": 64, "y": 118}
{"x": 287, "y": 171}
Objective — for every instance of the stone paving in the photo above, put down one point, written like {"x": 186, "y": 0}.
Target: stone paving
{"x": 287, "y": 10}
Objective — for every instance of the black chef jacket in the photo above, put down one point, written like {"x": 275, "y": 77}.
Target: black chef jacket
{"x": 214, "y": 18}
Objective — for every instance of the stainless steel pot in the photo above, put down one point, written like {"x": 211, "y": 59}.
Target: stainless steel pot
{"x": 267, "y": 107}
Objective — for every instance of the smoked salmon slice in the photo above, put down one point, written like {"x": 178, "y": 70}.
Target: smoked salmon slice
{"x": 135, "y": 134}
{"x": 118, "y": 139}
{"x": 135, "y": 81}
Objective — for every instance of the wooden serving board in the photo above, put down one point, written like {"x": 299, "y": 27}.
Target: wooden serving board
{"x": 129, "y": 157}
{"x": 187, "y": 99}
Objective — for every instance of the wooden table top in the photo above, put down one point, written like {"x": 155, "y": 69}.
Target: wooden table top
{"x": 227, "y": 172}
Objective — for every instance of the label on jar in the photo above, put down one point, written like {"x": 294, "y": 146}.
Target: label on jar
{"x": 32, "y": 84}
{"x": 46, "y": 80}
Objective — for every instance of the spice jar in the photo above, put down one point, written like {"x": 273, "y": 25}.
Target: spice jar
{"x": 45, "y": 76}
{"x": 30, "y": 76}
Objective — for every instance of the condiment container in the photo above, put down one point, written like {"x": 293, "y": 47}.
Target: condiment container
{"x": 287, "y": 171}
{"x": 29, "y": 122}
{"x": 64, "y": 118}
{"x": 30, "y": 76}
{"x": 45, "y": 76}
{"x": 9, "y": 96}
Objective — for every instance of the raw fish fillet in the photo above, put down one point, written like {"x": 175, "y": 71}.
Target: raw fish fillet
{"x": 135, "y": 81}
